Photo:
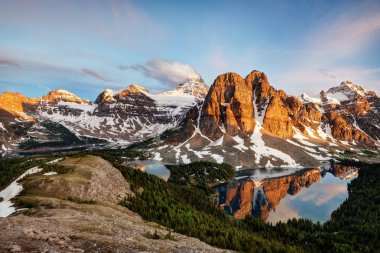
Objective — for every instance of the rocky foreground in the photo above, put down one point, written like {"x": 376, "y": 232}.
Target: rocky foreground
{"x": 78, "y": 211}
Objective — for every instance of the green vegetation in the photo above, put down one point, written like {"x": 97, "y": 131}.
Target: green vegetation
{"x": 348, "y": 153}
{"x": 148, "y": 143}
{"x": 201, "y": 174}
{"x": 81, "y": 201}
{"x": 370, "y": 153}
{"x": 185, "y": 204}
{"x": 188, "y": 210}
{"x": 354, "y": 227}
{"x": 12, "y": 168}
{"x": 117, "y": 155}
{"x": 55, "y": 168}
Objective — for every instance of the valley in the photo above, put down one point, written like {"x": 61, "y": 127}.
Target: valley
{"x": 94, "y": 198}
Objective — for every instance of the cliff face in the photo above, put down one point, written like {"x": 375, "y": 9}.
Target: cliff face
{"x": 15, "y": 118}
{"x": 232, "y": 102}
{"x": 227, "y": 108}
{"x": 276, "y": 119}
{"x": 238, "y": 115}
{"x": 17, "y": 104}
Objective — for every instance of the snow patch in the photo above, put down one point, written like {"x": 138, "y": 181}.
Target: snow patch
{"x": 307, "y": 99}
{"x": 217, "y": 158}
{"x": 2, "y": 127}
{"x": 259, "y": 147}
{"x": 50, "y": 173}
{"x": 185, "y": 159}
{"x": 240, "y": 143}
{"x": 55, "y": 161}
{"x": 6, "y": 206}
{"x": 157, "y": 156}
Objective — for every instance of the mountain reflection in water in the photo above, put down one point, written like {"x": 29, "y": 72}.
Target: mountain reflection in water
{"x": 310, "y": 193}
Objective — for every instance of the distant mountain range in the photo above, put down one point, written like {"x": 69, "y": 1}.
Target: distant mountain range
{"x": 241, "y": 121}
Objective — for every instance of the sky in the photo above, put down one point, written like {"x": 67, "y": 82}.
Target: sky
{"x": 87, "y": 46}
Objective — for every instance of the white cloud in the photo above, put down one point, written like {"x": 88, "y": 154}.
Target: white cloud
{"x": 323, "y": 195}
{"x": 167, "y": 72}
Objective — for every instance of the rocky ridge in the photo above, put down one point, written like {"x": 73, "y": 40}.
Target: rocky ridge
{"x": 248, "y": 117}
{"x": 85, "y": 219}
{"x": 244, "y": 121}
{"x": 130, "y": 115}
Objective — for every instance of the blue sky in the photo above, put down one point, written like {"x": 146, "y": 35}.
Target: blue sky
{"x": 87, "y": 46}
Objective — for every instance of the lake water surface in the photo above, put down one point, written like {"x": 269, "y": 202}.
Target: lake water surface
{"x": 278, "y": 196}
{"x": 153, "y": 167}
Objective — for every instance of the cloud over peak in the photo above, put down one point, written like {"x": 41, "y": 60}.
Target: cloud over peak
{"x": 167, "y": 72}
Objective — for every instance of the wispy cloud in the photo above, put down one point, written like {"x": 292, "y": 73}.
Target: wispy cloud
{"x": 166, "y": 72}
{"x": 9, "y": 63}
{"x": 330, "y": 53}
{"x": 94, "y": 74}
{"x": 314, "y": 78}
{"x": 347, "y": 35}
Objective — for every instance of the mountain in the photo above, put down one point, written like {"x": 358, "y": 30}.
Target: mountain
{"x": 192, "y": 87}
{"x": 248, "y": 123}
{"x": 62, "y": 119}
{"x": 245, "y": 122}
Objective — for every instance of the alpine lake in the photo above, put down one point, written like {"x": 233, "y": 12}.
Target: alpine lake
{"x": 276, "y": 194}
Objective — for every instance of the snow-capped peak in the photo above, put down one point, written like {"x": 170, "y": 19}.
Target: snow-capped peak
{"x": 191, "y": 87}
{"x": 109, "y": 92}
{"x": 356, "y": 88}
{"x": 345, "y": 91}
{"x": 107, "y": 96}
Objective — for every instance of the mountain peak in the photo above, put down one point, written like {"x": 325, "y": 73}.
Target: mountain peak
{"x": 347, "y": 91}
{"x": 62, "y": 95}
{"x": 107, "y": 96}
{"x": 134, "y": 87}
{"x": 195, "y": 87}
{"x": 357, "y": 89}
